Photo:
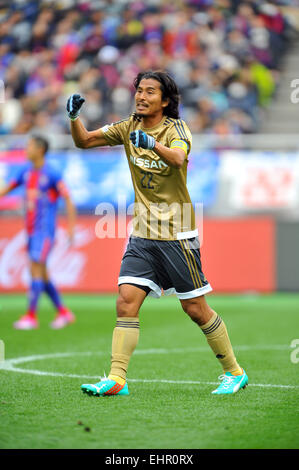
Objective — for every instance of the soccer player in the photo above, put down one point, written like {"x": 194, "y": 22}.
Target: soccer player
{"x": 159, "y": 255}
{"x": 43, "y": 187}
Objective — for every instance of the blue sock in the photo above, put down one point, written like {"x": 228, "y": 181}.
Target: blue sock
{"x": 53, "y": 293}
{"x": 36, "y": 288}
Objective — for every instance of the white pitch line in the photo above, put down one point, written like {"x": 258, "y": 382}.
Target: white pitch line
{"x": 195, "y": 382}
{"x": 274, "y": 347}
{"x": 40, "y": 357}
{"x": 9, "y": 365}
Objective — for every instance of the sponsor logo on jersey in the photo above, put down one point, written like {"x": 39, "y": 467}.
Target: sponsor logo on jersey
{"x": 147, "y": 163}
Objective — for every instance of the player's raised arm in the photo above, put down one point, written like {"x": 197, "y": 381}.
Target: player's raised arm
{"x": 82, "y": 137}
{"x": 172, "y": 156}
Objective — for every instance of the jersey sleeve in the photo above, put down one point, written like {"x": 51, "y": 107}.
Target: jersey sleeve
{"x": 180, "y": 136}
{"x": 18, "y": 180}
{"x": 117, "y": 132}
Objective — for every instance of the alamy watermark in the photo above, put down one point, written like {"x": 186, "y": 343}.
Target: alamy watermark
{"x": 295, "y": 93}
{"x": 295, "y": 352}
{"x": 160, "y": 221}
{"x": 2, "y": 351}
{"x": 2, "y": 92}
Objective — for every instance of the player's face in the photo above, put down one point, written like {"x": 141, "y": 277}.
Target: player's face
{"x": 34, "y": 152}
{"x": 148, "y": 98}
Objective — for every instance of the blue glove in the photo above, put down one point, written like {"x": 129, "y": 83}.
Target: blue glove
{"x": 73, "y": 106}
{"x": 141, "y": 139}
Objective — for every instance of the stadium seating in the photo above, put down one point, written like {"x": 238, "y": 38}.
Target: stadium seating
{"x": 224, "y": 54}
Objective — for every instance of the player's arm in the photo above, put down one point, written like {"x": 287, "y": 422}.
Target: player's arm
{"x": 174, "y": 156}
{"x": 5, "y": 190}
{"x": 85, "y": 139}
{"x": 82, "y": 138}
{"x": 71, "y": 217}
{"x": 70, "y": 208}
{"x": 8, "y": 187}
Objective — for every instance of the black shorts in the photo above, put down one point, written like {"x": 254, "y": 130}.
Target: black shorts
{"x": 173, "y": 266}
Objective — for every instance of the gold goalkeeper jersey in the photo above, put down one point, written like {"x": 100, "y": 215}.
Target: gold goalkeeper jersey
{"x": 162, "y": 208}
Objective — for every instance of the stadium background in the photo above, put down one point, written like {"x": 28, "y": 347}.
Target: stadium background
{"x": 235, "y": 63}
{"x": 237, "y": 67}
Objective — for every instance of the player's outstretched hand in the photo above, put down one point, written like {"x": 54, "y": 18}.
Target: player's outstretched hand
{"x": 141, "y": 139}
{"x": 73, "y": 105}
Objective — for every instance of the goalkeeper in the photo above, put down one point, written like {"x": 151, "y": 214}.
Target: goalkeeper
{"x": 163, "y": 250}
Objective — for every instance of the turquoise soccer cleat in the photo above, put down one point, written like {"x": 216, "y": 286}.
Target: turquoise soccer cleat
{"x": 105, "y": 387}
{"x": 231, "y": 383}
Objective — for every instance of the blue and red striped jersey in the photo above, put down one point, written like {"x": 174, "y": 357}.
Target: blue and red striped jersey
{"x": 43, "y": 187}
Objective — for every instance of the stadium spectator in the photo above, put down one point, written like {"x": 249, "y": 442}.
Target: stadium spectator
{"x": 49, "y": 49}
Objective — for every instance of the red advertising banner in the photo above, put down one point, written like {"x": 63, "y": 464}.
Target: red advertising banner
{"x": 237, "y": 255}
{"x": 89, "y": 265}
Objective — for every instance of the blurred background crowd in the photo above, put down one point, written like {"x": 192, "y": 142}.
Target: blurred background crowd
{"x": 225, "y": 56}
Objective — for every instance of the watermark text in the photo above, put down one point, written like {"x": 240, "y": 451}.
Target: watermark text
{"x": 153, "y": 220}
{"x": 295, "y": 352}
{"x": 295, "y": 93}
{"x": 2, "y": 351}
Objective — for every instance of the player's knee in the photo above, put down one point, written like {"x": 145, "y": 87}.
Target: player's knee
{"x": 197, "y": 311}
{"x": 193, "y": 312}
{"x": 36, "y": 270}
{"x": 125, "y": 307}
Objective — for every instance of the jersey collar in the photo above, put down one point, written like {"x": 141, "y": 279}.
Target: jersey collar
{"x": 150, "y": 129}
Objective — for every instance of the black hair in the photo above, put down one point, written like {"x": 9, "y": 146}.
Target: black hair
{"x": 41, "y": 142}
{"x": 168, "y": 87}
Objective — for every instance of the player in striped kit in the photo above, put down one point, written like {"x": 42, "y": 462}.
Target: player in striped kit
{"x": 43, "y": 187}
{"x": 163, "y": 250}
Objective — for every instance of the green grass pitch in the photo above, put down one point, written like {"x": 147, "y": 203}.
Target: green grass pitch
{"x": 171, "y": 376}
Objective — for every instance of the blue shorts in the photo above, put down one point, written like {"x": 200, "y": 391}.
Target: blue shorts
{"x": 39, "y": 247}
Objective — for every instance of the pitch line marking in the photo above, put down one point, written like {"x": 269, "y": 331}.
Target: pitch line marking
{"x": 9, "y": 365}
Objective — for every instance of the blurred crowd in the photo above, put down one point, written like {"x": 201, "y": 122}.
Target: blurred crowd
{"x": 224, "y": 54}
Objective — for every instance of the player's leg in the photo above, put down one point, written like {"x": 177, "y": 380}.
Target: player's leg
{"x": 137, "y": 279}
{"x": 182, "y": 263}
{"x": 213, "y": 326}
{"x": 124, "y": 341}
{"x": 215, "y": 331}
{"x": 126, "y": 332}
{"x": 64, "y": 316}
{"x": 29, "y": 320}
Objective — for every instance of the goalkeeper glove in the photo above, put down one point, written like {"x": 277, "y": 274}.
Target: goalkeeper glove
{"x": 73, "y": 106}
{"x": 141, "y": 139}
